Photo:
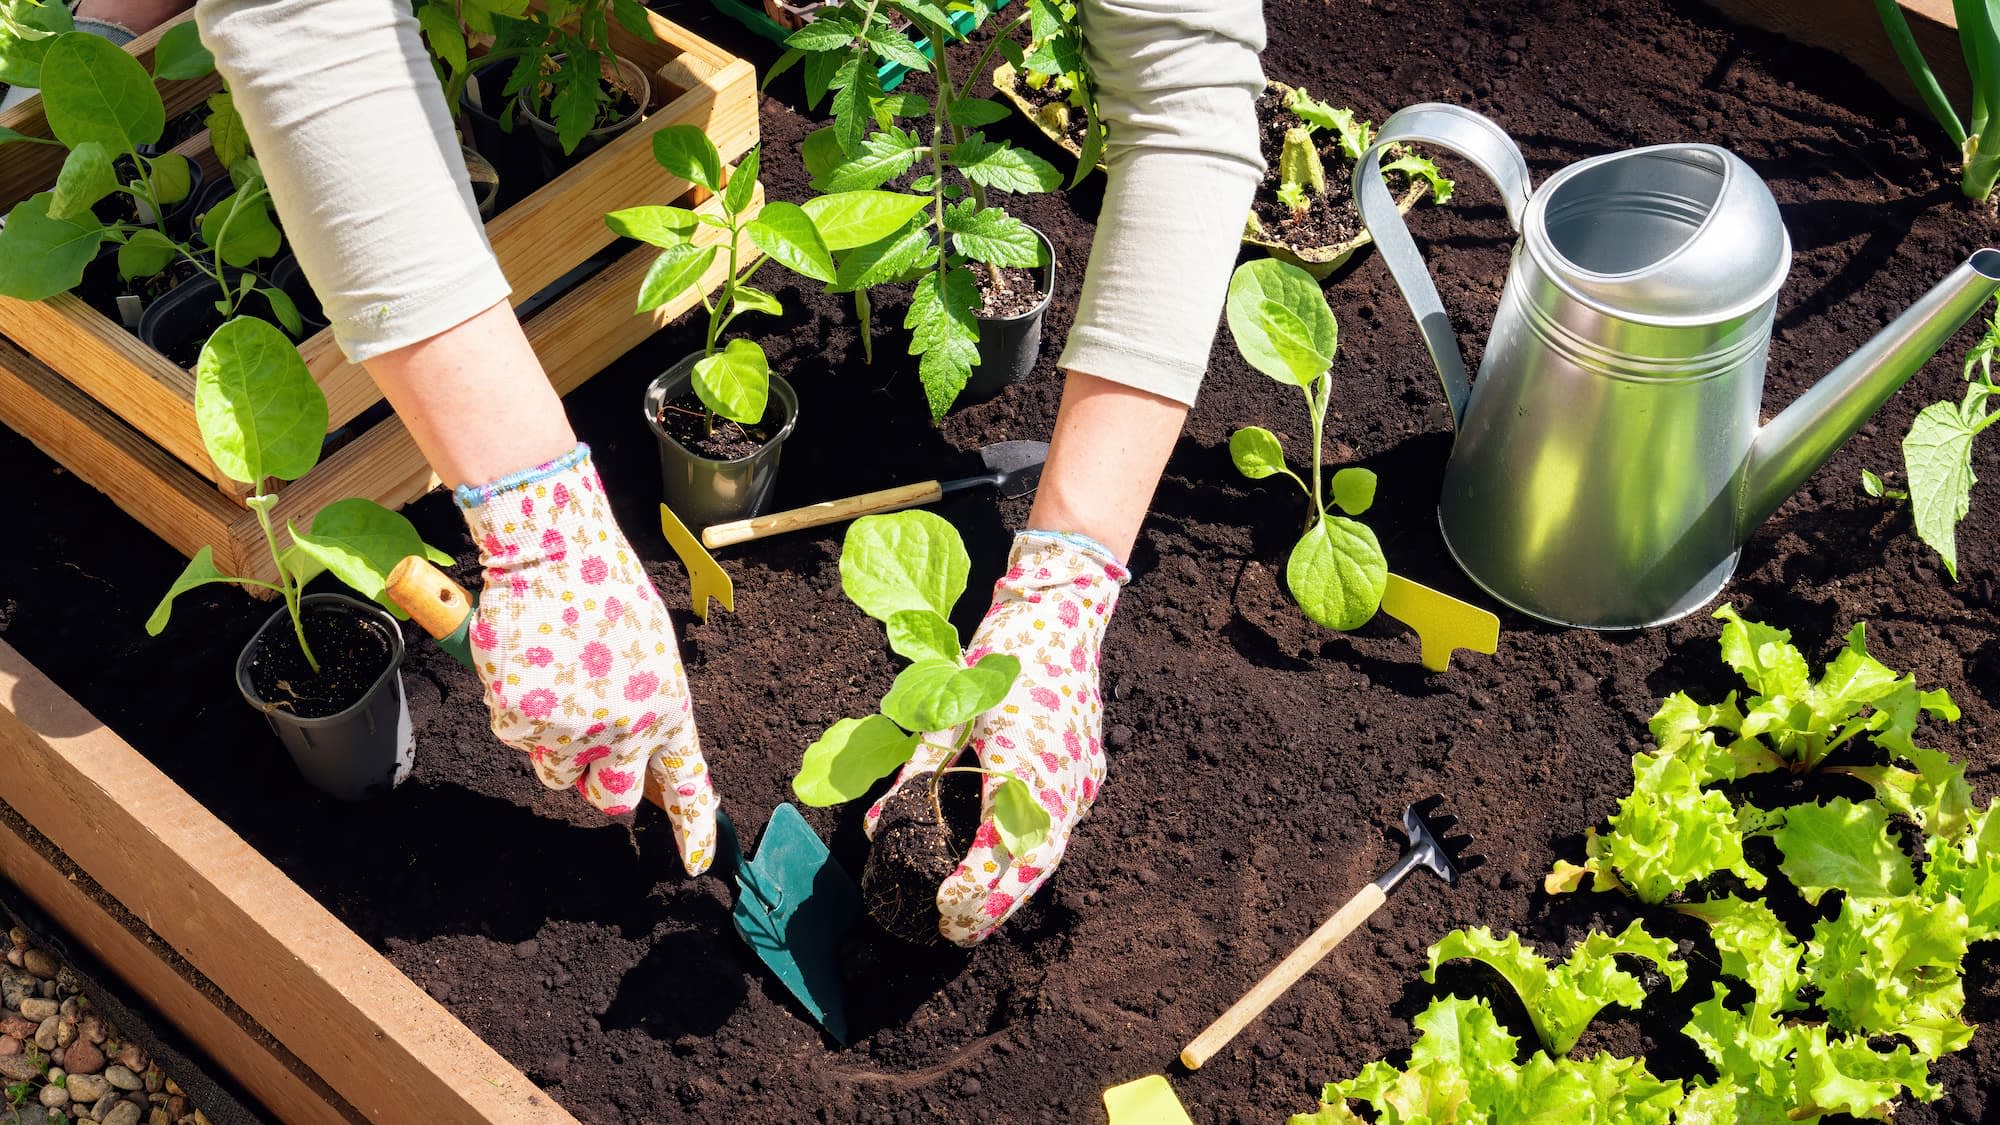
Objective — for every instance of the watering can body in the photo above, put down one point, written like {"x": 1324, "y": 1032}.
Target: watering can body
{"x": 1609, "y": 463}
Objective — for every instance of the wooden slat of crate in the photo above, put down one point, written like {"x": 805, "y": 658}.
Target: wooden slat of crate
{"x": 575, "y": 337}
{"x": 359, "y": 1023}
{"x": 537, "y": 241}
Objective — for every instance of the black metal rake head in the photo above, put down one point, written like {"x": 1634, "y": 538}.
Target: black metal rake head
{"x": 1430, "y": 847}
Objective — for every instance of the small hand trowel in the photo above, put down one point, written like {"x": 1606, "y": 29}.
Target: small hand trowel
{"x": 1013, "y": 468}
{"x": 793, "y": 902}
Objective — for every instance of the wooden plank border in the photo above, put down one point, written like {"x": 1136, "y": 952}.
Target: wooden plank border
{"x": 1851, "y": 29}
{"x": 340, "y": 1007}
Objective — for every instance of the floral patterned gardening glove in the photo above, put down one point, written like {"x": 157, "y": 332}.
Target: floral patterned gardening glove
{"x": 1049, "y": 609}
{"x": 577, "y": 652}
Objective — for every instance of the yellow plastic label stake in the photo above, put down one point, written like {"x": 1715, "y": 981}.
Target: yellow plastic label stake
{"x": 1145, "y": 1101}
{"x": 1442, "y": 622}
{"x": 706, "y": 578}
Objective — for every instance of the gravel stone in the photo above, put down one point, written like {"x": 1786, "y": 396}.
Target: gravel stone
{"x": 55, "y": 1097}
{"x": 45, "y": 1035}
{"x": 121, "y": 1076}
{"x": 125, "y": 1113}
{"x": 83, "y": 1057}
{"x": 35, "y": 1011}
{"x": 40, "y": 963}
{"x": 87, "y": 1088}
{"x": 19, "y": 1068}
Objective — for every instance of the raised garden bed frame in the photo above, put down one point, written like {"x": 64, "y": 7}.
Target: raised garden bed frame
{"x": 121, "y": 416}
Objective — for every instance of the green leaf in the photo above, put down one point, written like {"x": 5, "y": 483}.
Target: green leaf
{"x": 686, "y": 151}
{"x": 893, "y": 46}
{"x": 901, "y": 104}
{"x": 1890, "y": 966}
{"x": 884, "y": 155}
{"x": 40, "y": 256}
{"x": 1937, "y": 456}
{"x": 910, "y": 560}
{"x": 856, "y": 90}
{"x": 653, "y": 224}
{"x": 1337, "y": 573}
{"x": 1422, "y": 168}
{"x": 1281, "y": 321}
{"x": 922, "y": 634}
{"x": 579, "y": 91}
{"x": 939, "y": 695}
{"x": 735, "y": 382}
{"x": 283, "y": 307}
{"x": 225, "y": 130}
{"x": 1669, "y": 833}
{"x": 891, "y": 259}
{"x": 86, "y": 177}
{"x": 1935, "y": 794}
{"x": 1966, "y": 865}
{"x": 240, "y": 227}
{"x": 849, "y": 219}
{"x": 992, "y": 236}
{"x": 200, "y": 571}
{"x": 144, "y": 254}
{"x": 742, "y": 184}
{"x": 822, "y": 155}
{"x": 259, "y": 411}
{"x": 822, "y": 70}
{"x": 975, "y": 113}
{"x": 27, "y": 28}
{"x": 93, "y": 91}
{"x": 447, "y": 40}
{"x": 360, "y": 542}
{"x": 849, "y": 758}
{"x": 1256, "y": 453}
{"x": 827, "y": 33}
{"x": 678, "y": 267}
{"x": 1756, "y": 949}
{"x": 1022, "y": 821}
{"x": 1842, "y": 845}
{"x": 1002, "y": 167}
{"x": 944, "y": 331}
{"x": 1354, "y": 490}
{"x": 1561, "y": 1001}
{"x": 631, "y": 15}
{"x": 180, "y": 54}
{"x": 1849, "y": 1076}
{"x": 749, "y": 298}
{"x": 787, "y": 234}
{"x": 1763, "y": 656}
{"x": 171, "y": 177}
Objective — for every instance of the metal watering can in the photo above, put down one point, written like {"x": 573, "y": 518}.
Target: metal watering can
{"x": 1609, "y": 464}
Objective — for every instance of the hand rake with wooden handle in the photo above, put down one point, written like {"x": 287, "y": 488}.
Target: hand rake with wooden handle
{"x": 1428, "y": 847}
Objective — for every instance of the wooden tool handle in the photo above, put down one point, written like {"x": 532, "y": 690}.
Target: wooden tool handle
{"x": 1309, "y": 953}
{"x": 817, "y": 515}
{"x": 429, "y": 596}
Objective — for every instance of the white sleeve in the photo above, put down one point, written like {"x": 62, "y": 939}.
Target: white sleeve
{"x": 1177, "y": 84}
{"x": 349, "y": 124}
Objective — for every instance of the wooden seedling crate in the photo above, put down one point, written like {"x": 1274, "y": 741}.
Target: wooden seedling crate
{"x": 121, "y": 416}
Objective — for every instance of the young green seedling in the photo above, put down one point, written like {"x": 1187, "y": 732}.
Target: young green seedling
{"x": 560, "y": 49}
{"x": 1979, "y": 37}
{"x": 1937, "y": 453}
{"x": 261, "y": 415}
{"x": 1284, "y": 328}
{"x": 907, "y": 570}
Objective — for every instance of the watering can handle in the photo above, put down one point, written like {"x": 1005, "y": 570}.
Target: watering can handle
{"x": 1479, "y": 140}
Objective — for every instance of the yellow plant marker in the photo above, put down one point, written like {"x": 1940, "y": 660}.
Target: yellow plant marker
{"x": 1442, "y": 622}
{"x": 706, "y": 578}
{"x": 1145, "y": 1101}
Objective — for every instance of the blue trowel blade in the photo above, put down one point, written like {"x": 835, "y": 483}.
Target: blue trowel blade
{"x": 793, "y": 903}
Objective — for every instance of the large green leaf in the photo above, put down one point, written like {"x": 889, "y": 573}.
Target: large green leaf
{"x": 200, "y": 571}
{"x": 447, "y": 39}
{"x": 180, "y": 54}
{"x": 86, "y": 177}
{"x": 894, "y": 258}
{"x": 944, "y": 332}
{"x": 1001, "y": 166}
{"x": 1937, "y": 455}
{"x": 1256, "y": 453}
{"x": 1890, "y": 966}
{"x": 226, "y": 133}
{"x": 787, "y": 234}
{"x": 884, "y": 155}
{"x": 678, "y": 267}
{"x": 240, "y": 226}
{"x": 922, "y": 634}
{"x": 1851, "y": 1076}
{"x": 991, "y": 235}
{"x": 171, "y": 177}
{"x": 1281, "y": 321}
{"x": 896, "y": 48}
{"x": 1842, "y": 845}
{"x": 27, "y": 28}
{"x": 842, "y": 764}
{"x": 360, "y": 542}
{"x": 687, "y": 152}
{"x": 93, "y": 91}
{"x": 146, "y": 253}
{"x": 938, "y": 695}
{"x": 848, "y": 219}
{"x": 910, "y": 560}
{"x": 1669, "y": 832}
{"x": 1337, "y": 573}
{"x": 653, "y": 224}
{"x": 735, "y": 382}
{"x": 260, "y": 413}
{"x": 1563, "y": 999}
{"x": 40, "y": 256}
{"x": 820, "y": 152}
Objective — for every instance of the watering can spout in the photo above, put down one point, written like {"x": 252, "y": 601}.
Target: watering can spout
{"x": 1797, "y": 441}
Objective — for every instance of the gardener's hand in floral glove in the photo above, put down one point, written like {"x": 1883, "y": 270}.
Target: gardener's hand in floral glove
{"x": 577, "y": 652}
{"x": 1049, "y": 610}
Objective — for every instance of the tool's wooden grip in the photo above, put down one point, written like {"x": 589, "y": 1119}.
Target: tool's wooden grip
{"x": 429, "y": 596}
{"x": 817, "y": 515}
{"x": 1309, "y": 953}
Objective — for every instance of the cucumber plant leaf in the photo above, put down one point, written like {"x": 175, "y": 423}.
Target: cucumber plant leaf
{"x": 1937, "y": 456}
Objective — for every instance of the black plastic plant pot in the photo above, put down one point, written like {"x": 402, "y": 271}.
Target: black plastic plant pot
{"x": 514, "y": 158}
{"x": 178, "y": 218}
{"x": 179, "y": 323}
{"x": 631, "y": 79}
{"x": 365, "y": 749}
{"x": 1010, "y": 345}
{"x": 704, "y": 491}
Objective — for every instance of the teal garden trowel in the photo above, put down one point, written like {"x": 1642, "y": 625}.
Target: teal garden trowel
{"x": 793, "y": 902}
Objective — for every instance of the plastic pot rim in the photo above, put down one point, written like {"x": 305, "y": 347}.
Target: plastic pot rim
{"x": 787, "y": 397}
{"x": 282, "y": 618}
{"x": 1045, "y": 280}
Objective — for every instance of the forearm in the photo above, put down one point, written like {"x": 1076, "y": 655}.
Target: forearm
{"x": 1110, "y": 445}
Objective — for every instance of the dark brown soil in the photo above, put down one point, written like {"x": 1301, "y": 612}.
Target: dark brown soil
{"x": 352, "y": 650}
{"x": 688, "y": 421}
{"x": 1258, "y": 763}
{"x": 1022, "y": 293}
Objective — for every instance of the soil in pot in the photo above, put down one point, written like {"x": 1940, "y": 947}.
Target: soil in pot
{"x": 101, "y": 286}
{"x": 353, "y": 652}
{"x": 713, "y": 436}
{"x": 1019, "y": 292}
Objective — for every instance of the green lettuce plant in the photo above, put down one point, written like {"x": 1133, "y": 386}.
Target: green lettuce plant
{"x": 1301, "y": 172}
{"x": 1284, "y": 328}
{"x": 959, "y": 229}
{"x": 1979, "y": 38}
{"x": 261, "y": 416}
{"x": 907, "y": 570}
{"x": 1562, "y": 999}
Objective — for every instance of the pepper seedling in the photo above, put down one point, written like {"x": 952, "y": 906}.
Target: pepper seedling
{"x": 907, "y": 570}
{"x": 1284, "y": 328}
{"x": 261, "y": 415}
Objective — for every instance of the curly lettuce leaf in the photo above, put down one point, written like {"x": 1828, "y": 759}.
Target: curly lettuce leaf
{"x": 1669, "y": 832}
{"x": 1562, "y": 1000}
{"x": 1966, "y": 867}
{"x": 1890, "y": 966}
{"x": 1755, "y": 948}
{"x": 1841, "y": 845}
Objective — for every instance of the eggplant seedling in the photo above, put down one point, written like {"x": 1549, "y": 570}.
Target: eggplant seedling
{"x": 906, "y": 570}
{"x": 1285, "y": 329}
